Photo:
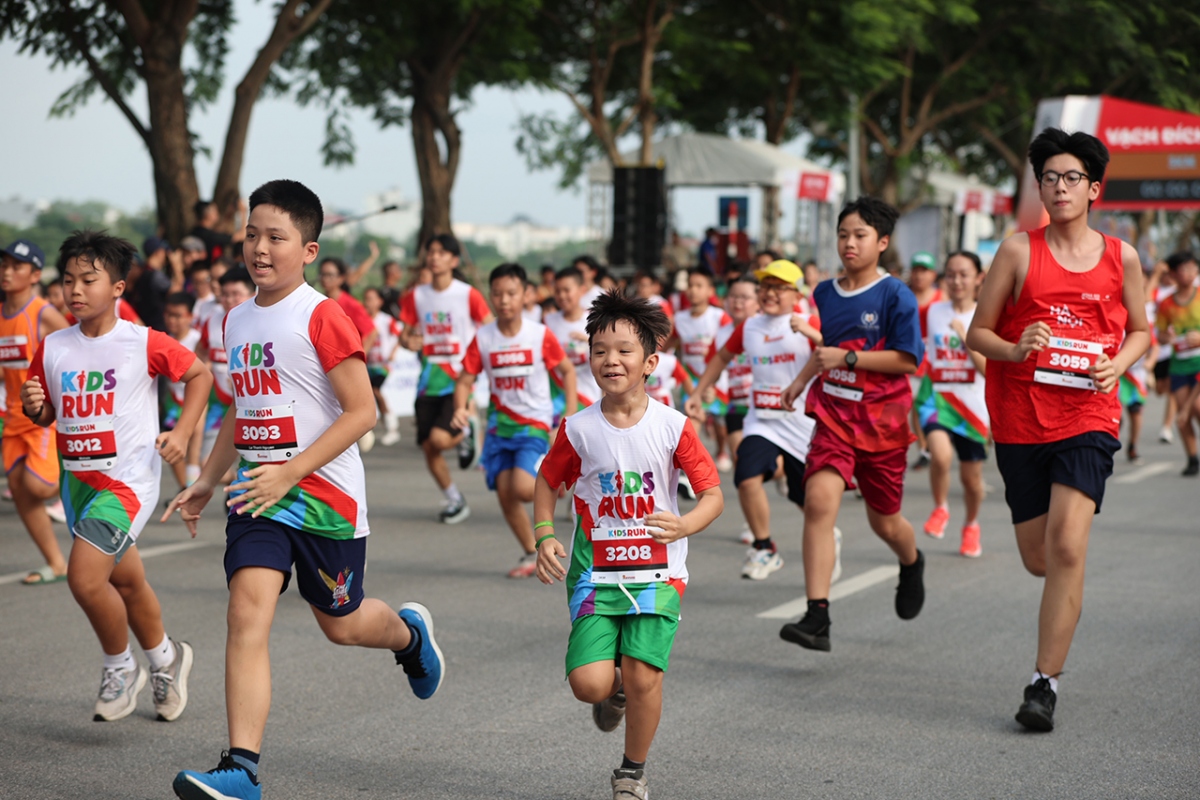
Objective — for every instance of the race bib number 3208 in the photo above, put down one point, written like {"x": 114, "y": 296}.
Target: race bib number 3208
{"x": 627, "y": 555}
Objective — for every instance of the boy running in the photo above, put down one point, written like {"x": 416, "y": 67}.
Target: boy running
{"x": 30, "y": 461}
{"x": 97, "y": 381}
{"x": 627, "y": 574}
{"x": 1178, "y": 324}
{"x": 177, "y": 317}
{"x": 1061, "y": 317}
{"x": 302, "y": 400}
{"x": 440, "y": 319}
{"x": 379, "y": 358}
{"x": 517, "y": 354}
{"x": 741, "y": 303}
{"x": 861, "y": 401}
{"x": 568, "y": 325}
{"x": 922, "y": 279}
{"x": 236, "y": 287}
{"x": 695, "y": 331}
{"x": 951, "y": 402}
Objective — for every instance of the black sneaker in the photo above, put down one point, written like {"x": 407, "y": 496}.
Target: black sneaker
{"x": 1192, "y": 468}
{"x": 910, "y": 594}
{"x": 811, "y": 632}
{"x": 468, "y": 447}
{"x": 920, "y": 463}
{"x": 1037, "y": 712}
{"x": 455, "y": 513}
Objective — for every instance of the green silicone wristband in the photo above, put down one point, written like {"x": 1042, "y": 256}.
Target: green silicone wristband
{"x": 544, "y": 538}
{"x": 546, "y": 524}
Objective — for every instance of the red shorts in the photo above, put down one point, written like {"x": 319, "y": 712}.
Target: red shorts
{"x": 880, "y": 476}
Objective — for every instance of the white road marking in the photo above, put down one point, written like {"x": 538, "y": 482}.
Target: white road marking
{"x": 858, "y": 583}
{"x": 149, "y": 552}
{"x": 1141, "y": 473}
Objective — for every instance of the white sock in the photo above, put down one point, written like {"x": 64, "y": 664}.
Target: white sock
{"x": 162, "y": 656}
{"x": 452, "y": 493}
{"x": 121, "y": 660}
{"x": 391, "y": 423}
{"x": 1053, "y": 681}
{"x": 944, "y": 506}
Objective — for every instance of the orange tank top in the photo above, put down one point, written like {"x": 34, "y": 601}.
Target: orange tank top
{"x": 1048, "y": 397}
{"x": 19, "y": 340}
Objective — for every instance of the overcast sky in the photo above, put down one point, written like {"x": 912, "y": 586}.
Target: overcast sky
{"x": 96, "y": 155}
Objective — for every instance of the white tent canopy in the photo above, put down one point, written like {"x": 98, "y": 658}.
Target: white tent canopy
{"x": 705, "y": 159}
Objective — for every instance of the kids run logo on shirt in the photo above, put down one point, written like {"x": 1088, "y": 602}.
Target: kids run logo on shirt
{"x": 775, "y": 358}
{"x": 86, "y": 394}
{"x": 627, "y": 495}
{"x": 251, "y": 370}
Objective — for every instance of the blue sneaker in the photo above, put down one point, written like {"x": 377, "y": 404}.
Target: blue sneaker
{"x": 425, "y": 667}
{"x": 227, "y": 782}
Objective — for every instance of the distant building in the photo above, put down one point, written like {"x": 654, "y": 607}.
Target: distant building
{"x": 521, "y": 235}
{"x": 19, "y": 213}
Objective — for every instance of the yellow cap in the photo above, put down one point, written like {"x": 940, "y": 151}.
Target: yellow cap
{"x": 782, "y": 269}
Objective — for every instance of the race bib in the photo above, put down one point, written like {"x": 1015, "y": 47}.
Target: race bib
{"x": 578, "y": 352}
{"x": 768, "y": 402}
{"x": 1182, "y": 350}
{"x": 697, "y": 347}
{"x": 845, "y": 383}
{"x": 510, "y": 363}
{"x": 1065, "y": 362}
{"x": 266, "y": 435}
{"x": 956, "y": 375}
{"x": 627, "y": 555}
{"x": 89, "y": 446}
{"x": 741, "y": 379}
{"x": 14, "y": 352}
{"x": 218, "y": 355}
{"x": 442, "y": 348}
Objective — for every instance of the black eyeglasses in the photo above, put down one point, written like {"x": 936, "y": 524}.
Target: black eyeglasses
{"x": 1071, "y": 177}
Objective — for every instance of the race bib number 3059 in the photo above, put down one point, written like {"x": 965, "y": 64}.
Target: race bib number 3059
{"x": 627, "y": 555}
{"x": 87, "y": 446}
{"x": 266, "y": 434}
{"x": 1065, "y": 362}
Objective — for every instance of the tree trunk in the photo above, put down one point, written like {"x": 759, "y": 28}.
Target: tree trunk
{"x": 437, "y": 161}
{"x": 170, "y": 146}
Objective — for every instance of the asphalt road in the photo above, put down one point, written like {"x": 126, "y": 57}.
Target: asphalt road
{"x": 898, "y": 709}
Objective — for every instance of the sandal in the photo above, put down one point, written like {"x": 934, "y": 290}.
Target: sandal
{"x": 43, "y": 575}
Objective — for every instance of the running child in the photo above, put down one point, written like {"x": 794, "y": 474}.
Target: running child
{"x": 440, "y": 319}
{"x": 30, "y": 460}
{"x": 568, "y": 325}
{"x": 517, "y": 355}
{"x": 1061, "y": 317}
{"x": 628, "y": 567}
{"x": 379, "y": 358}
{"x": 741, "y": 303}
{"x": 695, "y": 331}
{"x": 96, "y": 380}
{"x": 951, "y": 402}
{"x": 861, "y": 401}
{"x": 1178, "y": 324}
{"x": 236, "y": 287}
{"x": 922, "y": 279}
{"x": 177, "y": 318}
{"x": 302, "y": 400}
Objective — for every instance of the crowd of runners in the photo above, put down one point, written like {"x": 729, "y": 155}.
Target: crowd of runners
{"x": 599, "y": 397}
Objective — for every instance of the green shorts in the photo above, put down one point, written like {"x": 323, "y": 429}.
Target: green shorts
{"x": 104, "y": 536}
{"x": 646, "y": 637}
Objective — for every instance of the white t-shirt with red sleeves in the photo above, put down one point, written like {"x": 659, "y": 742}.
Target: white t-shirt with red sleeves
{"x": 620, "y": 476}
{"x": 518, "y": 369}
{"x": 279, "y": 357}
{"x": 447, "y": 321}
{"x": 666, "y": 377}
{"x": 204, "y": 309}
{"x": 189, "y": 341}
{"x": 387, "y": 336}
{"x": 590, "y": 296}
{"x": 776, "y": 355}
{"x": 696, "y": 336}
{"x": 212, "y": 339}
{"x": 104, "y": 396}
{"x": 573, "y": 338}
{"x": 738, "y": 375}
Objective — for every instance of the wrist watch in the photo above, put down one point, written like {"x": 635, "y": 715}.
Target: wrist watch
{"x": 851, "y": 358}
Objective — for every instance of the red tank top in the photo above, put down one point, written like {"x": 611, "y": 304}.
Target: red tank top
{"x": 1033, "y": 401}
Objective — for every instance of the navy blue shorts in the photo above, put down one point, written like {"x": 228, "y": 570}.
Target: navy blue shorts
{"x": 966, "y": 449}
{"x": 1083, "y": 462}
{"x": 329, "y": 572}
{"x": 757, "y": 455}
{"x": 1183, "y": 382}
{"x": 734, "y": 418}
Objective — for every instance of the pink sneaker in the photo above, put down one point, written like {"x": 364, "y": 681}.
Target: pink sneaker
{"x": 935, "y": 526}
{"x": 525, "y": 567}
{"x": 970, "y": 541}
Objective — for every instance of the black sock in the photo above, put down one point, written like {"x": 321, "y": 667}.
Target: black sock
{"x": 413, "y": 644}
{"x": 819, "y": 608}
{"x": 247, "y": 760}
{"x": 628, "y": 763}
{"x": 764, "y": 544}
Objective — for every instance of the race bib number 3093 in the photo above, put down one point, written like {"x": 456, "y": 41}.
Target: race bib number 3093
{"x": 266, "y": 434}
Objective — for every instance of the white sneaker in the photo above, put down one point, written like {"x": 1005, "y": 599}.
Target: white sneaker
{"x": 761, "y": 563}
{"x": 389, "y": 438}
{"x": 170, "y": 684}
{"x": 1165, "y": 435}
{"x": 837, "y": 555}
{"x": 366, "y": 442}
{"x": 56, "y": 512}
{"x": 118, "y": 693}
{"x": 746, "y": 536}
{"x": 724, "y": 463}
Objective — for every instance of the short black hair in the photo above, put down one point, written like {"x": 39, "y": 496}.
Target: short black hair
{"x": 200, "y": 207}
{"x": 879, "y": 215}
{"x": 448, "y": 242}
{"x": 971, "y": 256}
{"x": 509, "y": 270}
{"x": 181, "y": 299}
{"x": 569, "y": 272}
{"x": 747, "y": 278}
{"x": 99, "y": 250}
{"x": 647, "y": 319}
{"x": 704, "y": 271}
{"x": 238, "y": 274}
{"x": 296, "y": 200}
{"x": 1178, "y": 259}
{"x": 337, "y": 262}
{"x": 547, "y": 268}
{"x": 588, "y": 261}
{"x": 774, "y": 254}
{"x": 1051, "y": 142}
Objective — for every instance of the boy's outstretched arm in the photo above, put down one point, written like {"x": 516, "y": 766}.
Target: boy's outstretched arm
{"x": 545, "y": 498}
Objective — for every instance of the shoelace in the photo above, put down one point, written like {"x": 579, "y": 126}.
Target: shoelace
{"x": 112, "y": 683}
{"x": 227, "y": 764}
{"x": 162, "y": 683}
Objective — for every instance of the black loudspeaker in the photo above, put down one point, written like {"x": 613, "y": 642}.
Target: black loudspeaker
{"x": 639, "y": 230}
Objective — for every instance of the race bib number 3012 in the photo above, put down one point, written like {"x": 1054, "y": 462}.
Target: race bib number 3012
{"x": 1065, "y": 362}
{"x": 266, "y": 434}
{"x": 89, "y": 446}
{"x": 627, "y": 555}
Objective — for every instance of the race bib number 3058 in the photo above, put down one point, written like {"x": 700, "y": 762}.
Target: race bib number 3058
{"x": 846, "y": 383}
{"x": 266, "y": 434}
{"x": 627, "y": 555}
{"x": 1065, "y": 362}
{"x": 87, "y": 446}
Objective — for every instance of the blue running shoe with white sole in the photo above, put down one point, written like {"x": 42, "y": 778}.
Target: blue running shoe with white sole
{"x": 424, "y": 667}
{"x": 227, "y": 781}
